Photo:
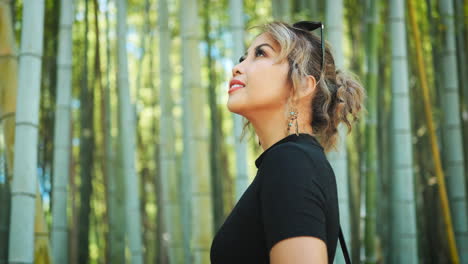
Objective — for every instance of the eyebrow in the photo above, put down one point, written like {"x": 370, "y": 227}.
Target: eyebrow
{"x": 261, "y": 45}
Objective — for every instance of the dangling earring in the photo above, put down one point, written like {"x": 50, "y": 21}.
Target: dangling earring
{"x": 293, "y": 118}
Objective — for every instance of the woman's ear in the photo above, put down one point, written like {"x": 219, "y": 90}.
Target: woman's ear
{"x": 309, "y": 86}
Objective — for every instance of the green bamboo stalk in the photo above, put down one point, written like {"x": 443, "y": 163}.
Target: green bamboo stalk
{"x": 281, "y": 10}
{"x": 23, "y": 191}
{"x": 372, "y": 156}
{"x": 8, "y": 84}
{"x": 170, "y": 191}
{"x": 461, "y": 29}
{"x": 339, "y": 159}
{"x": 9, "y": 80}
{"x": 434, "y": 147}
{"x": 196, "y": 172}
{"x": 114, "y": 187}
{"x": 404, "y": 247}
{"x": 127, "y": 141}
{"x": 215, "y": 122}
{"x": 452, "y": 132}
{"x": 86, "y": 149}
{"x": 62, "y": 136}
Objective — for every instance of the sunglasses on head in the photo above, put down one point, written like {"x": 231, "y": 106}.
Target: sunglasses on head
{"x": 311, "y": 26}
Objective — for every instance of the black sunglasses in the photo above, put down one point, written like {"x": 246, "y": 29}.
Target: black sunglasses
{"x": 311, "y": 26}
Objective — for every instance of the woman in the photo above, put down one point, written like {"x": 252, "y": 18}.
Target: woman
{"x": 289, "y": 213}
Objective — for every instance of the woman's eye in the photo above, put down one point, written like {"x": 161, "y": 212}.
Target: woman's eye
{"x": 259, "y": 52}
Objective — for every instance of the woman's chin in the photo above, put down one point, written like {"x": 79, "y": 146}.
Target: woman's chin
{"x": 234, "y": 105}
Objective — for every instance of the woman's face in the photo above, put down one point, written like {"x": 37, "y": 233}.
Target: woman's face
{"x": 263, "y": 84}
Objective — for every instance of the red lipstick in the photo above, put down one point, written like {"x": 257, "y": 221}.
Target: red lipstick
{"x": 235, "y": 85}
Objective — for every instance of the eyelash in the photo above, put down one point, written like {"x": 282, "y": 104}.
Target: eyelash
{"x": 257, "y": 51}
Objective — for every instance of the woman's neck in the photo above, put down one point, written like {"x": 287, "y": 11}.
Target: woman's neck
{"x": 272, "y": 127}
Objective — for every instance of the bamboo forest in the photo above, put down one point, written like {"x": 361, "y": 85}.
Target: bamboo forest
{"x": 117, "y": 146}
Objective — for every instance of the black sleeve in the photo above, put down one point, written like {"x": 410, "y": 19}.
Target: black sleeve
{"x": 292, "y": 200}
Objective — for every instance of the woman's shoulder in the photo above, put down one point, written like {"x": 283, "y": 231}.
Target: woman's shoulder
{"x": 296, "y": 161}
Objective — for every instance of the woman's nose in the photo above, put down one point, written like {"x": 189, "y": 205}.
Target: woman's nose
{"x": 236, "y": 70}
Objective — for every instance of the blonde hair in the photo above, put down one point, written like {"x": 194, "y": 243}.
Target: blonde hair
{"x": 339, "y": 96}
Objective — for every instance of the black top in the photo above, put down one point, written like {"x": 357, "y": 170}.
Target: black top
{"x": 293, "y": 194}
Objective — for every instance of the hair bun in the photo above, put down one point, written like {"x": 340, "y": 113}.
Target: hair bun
{"x": 352, "y": 94}
{"x": 339, "y": 84}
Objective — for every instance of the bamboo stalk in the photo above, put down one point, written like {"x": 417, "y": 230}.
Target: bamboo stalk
{"x": 127, "y": 140}
{"x": 434, "y": 147}
{"x": 334, "y": 14}
{"x": 62, "y": 136}
{"x": 23, "y": 190}
{"x": 404, "y": 232}
{"x": 372, "y": 154}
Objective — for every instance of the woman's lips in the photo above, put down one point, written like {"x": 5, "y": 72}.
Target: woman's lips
{"x": 234, "y": 88}
{"x": 235, "y": 84}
